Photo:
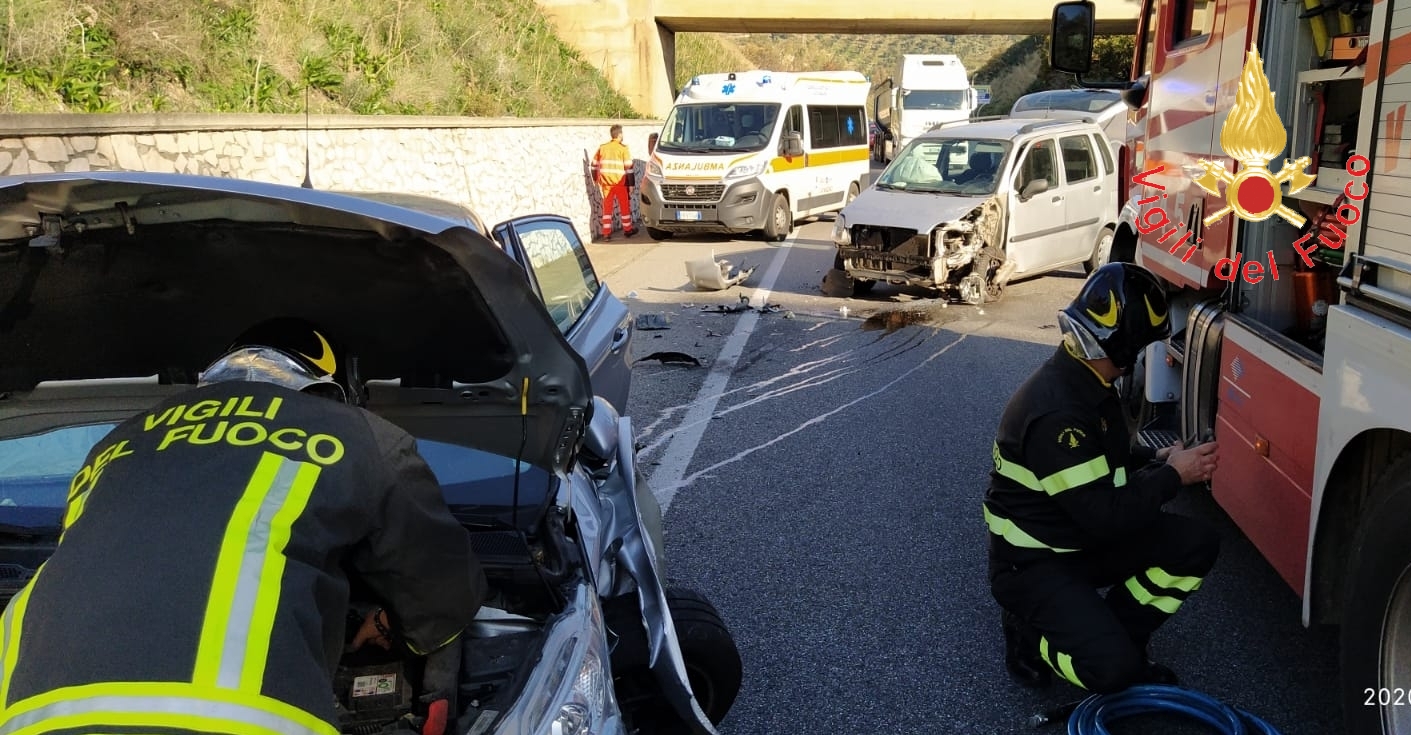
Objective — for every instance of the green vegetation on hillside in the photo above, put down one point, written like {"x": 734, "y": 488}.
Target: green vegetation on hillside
{"x": 425, "y": 57}
{"x": 415, "y": 57}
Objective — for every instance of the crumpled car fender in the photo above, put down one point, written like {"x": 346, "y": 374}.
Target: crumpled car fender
{"x": 631, "y": 523}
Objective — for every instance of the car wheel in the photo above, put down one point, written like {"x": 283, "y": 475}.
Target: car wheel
{"x": 1375, "y": 629}
{"x": 781, "y": 220}
{"x": 656, "y": 234}
{"x": 1102, "y": 251}
{"x": 972, "y": 289}
{"x": 712, "y": 661}
{"x": 862, "y": 286}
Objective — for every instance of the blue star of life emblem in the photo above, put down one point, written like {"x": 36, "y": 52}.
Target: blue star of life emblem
{"x": 851, "y": 126}
{"x": 728, "y": 88}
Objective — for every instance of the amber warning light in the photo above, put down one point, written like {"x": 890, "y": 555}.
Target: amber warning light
{"x": 1253, "y": 135}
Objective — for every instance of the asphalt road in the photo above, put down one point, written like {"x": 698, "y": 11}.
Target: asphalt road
{"x": 824, "y": 490}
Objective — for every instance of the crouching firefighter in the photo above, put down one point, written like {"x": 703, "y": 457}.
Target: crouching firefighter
{"x": 199, "y": 581}
{"x": 1073, "y": 506}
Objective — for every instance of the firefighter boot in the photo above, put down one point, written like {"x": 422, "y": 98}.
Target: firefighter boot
{"x": 1021, "y": 654}
{"x": 1156, "y": 673}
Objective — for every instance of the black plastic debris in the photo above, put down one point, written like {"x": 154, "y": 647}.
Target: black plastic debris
{"x": 670, "y": 358}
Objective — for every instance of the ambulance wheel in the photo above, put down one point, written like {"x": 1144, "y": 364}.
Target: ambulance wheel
{"x": 656, "y": 234}
{"x": 1375, "y": 629}
{"x": 781, "y": 220}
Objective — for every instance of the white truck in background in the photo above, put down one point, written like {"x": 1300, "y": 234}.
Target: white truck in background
{"x": 929, "y": 89}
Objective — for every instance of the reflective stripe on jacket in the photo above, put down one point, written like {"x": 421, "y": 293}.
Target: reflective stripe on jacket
{"x": 1066, "y": 476}
{"x": 198, "y": 583}
{"x": 612, "y": 164}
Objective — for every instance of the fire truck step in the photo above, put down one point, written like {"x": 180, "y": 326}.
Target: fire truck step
{"x": 1158, "y": 438}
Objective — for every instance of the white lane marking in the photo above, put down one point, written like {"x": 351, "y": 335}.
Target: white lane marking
{"x": 669, "y": 490}
{"x": 667, "y": 478}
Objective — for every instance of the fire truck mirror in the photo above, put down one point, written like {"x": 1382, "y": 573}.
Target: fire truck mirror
{"x": 1071, "y": 48}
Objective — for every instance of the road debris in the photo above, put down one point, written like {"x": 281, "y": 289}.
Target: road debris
{"x": 679, "y": 358}
{"x": 649, "y": 322}
{"x": 709, "y": 274}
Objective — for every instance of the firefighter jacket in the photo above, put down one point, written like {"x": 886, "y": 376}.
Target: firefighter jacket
{"x": 612, "y": 164}
{"x": 198, "y": 582}
{"x": 1066, "y": 476}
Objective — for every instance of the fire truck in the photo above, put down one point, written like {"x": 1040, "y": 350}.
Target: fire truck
{"x": 1269, "y": 186}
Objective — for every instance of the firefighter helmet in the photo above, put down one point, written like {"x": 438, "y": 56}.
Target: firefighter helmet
{"x": 286, "y": 351}
{"x": 1120, "y": 310}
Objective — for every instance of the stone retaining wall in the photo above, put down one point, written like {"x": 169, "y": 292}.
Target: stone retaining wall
{"x": 502, "y": 168}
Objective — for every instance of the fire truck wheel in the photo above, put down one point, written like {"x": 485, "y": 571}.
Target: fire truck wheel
{"x": 1375, "y": 630}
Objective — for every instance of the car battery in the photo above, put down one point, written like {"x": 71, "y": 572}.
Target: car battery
{"x": 372, "y": 695}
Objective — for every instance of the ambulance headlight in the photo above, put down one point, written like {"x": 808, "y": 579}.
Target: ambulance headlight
{"x": 654, "y": 169}
{"x": 746, "y": 169}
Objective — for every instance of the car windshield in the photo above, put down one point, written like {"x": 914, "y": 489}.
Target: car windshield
{"x": 718, "y": 127}
{"x": 947, "y": 165}
{"x": 35, "y": 472}
{"x": 1080, "y": 100}
{"x": 933, "y": 99}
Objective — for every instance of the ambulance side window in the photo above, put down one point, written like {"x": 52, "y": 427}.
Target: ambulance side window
{"x": 793, "y": 123}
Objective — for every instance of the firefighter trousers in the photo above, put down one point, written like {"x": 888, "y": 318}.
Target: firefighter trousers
{"x": 617, "y": 196}
{"x": 1099, "y": 642}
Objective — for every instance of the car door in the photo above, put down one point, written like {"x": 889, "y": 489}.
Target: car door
{"x": 1084, "y": 194}
{"x": 596, "y": 323}
{"x": 1037, "y": 221}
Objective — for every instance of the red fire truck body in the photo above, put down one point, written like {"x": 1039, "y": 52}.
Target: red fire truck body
{"x": 1300, "y": 366}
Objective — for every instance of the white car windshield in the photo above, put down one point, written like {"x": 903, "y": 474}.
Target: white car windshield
{"x": 948, "y": 165}
{"x": 718, "y": 127}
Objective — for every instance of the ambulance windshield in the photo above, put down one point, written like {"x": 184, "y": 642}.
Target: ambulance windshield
{"x": 718, "y": 127}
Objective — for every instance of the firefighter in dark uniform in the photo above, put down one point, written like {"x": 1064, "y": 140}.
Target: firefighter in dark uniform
{"x": 198, "y": 584}
{"x": 1073, "y": 506}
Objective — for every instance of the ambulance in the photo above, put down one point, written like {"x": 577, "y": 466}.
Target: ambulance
{"x": 756, "y": 151}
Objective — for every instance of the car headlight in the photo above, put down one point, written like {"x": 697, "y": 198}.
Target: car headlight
{"x": 746, "y": 169}
{"x": 570, "y": 691}
{"x": 654, "y": 169}
{"x": 841, "y": 236}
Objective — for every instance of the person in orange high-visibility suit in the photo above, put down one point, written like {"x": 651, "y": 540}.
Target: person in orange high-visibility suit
{"x": 612, "y": 171}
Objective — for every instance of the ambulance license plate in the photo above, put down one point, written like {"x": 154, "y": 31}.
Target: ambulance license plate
{"x": 681, "y": 215}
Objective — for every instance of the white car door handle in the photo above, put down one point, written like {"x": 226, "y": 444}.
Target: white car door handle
{"x": 1097, "y": 188}
{"x": 1057, "y": 199}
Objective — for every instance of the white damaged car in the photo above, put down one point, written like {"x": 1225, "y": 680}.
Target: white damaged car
{"x": 969, "y": 206}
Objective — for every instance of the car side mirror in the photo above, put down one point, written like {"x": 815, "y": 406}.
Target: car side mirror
{"x": 600, "y": 441}
{"x": 791, "y": 146}
{"x": 1033, "y": 189}
{"x": 1135, "y": 95}
{"x": 1071, "y": 45}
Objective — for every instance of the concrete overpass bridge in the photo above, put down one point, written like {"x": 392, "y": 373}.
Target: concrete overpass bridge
{"x": 634, "y": 41}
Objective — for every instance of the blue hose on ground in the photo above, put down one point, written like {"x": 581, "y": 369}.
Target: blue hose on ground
{"x": 1092, "y": 715}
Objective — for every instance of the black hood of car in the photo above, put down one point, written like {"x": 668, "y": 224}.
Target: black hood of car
{"x": 145, "y": 278}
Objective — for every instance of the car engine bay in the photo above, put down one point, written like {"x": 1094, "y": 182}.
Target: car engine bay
{"x": 382, "y": 692}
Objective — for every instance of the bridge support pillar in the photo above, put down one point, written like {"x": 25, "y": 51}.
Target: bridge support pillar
{"x": 623, "y": 39}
